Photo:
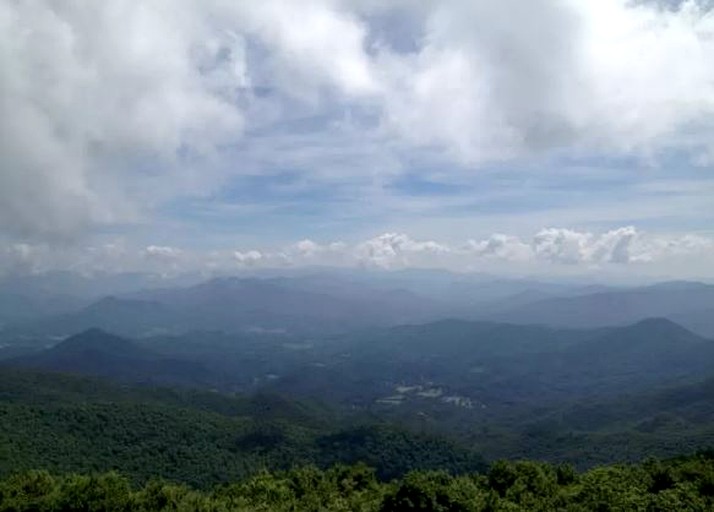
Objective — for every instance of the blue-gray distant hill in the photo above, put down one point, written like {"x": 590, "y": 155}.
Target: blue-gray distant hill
{"x": 238, "y": 305}
{"x": 688, "y": 303}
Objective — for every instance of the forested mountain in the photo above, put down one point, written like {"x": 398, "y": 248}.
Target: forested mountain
{"x": 663, "y": 421}
{"x": 65, "y": 423}
{"x": 495, "y": 365}
{"x": 95, "y": 352}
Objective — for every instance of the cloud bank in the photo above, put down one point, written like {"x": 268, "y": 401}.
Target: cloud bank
{"x": 551, "y": 250}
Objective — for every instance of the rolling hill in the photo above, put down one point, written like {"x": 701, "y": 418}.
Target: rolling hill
{"x": 95, "y": 352}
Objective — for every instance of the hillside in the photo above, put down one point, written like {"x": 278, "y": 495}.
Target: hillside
{"x": 663, "y": 421}
{"x": 494, "y": 367}
{"x": 95, "y": 352}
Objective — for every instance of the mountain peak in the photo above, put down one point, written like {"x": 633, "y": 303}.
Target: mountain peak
{"x": 662, "y": 324}
{"x": 96, "y": 339}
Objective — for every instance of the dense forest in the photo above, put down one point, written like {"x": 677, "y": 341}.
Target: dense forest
{"x": 78, "y": 443}
{"x": 681, "y": 484}
{"x": 67, "y": 423}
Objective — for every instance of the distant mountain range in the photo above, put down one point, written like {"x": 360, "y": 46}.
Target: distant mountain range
{"x": 28, "y": 298}
{"x": 689, "y": 303}
{"x": 325, "y": 302}
{"x": 236, "y": 305}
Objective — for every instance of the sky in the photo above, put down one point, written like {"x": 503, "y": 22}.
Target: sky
{"x": 548, "y": 137}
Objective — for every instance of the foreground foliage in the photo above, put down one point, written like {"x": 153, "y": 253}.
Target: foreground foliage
{"x": 682, "y": 484}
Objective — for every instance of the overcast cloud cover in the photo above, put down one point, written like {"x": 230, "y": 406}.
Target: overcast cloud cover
{"x": 183, "y": 135}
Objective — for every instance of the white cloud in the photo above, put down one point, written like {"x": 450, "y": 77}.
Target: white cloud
{"x": 614, "y": 246}
{"x": 551, "y": 250}
{"x": 165, "y": 260}
{"x": 500, "y": 246}
{"x": 668, "y": 248}
{"x": 111, "y": 108}
{"x": 162, "y": 252}
{"x": 309, "y": 45}
{"x": 573, "y": 247}
{"x": 307, "y": 248}
{"x": 308, "y": 252}
{"x": 561, "y": 245}
{"x": 92, "y": 92}
{"x": 248, "y": 258}
{"x": 509, "y": 78}
{"x": 395, "y": 250}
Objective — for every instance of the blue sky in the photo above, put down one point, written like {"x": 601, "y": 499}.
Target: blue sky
{"x": 541, "y": 138}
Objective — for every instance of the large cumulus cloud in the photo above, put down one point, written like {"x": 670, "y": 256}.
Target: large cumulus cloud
{"x": 573, "y": 247}
{"x": 504, "y": 78}
{"x": 94, "y": 94}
